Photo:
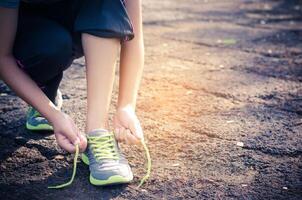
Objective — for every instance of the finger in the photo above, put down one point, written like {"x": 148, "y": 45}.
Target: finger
{"x": 126, "y": 132}
{"x": 117, "y": 134}
{"x": 72, "y": 135}
{"x": 125, "y": 136}
{"x": 71, "y": 131}
{"x": 65, "y": 143}
{"x": 122, "y": 134}
{"x": 82, "y": 137}
{"x": 131, "y": 138}
{"x": 83, "y": 142}
{"x": 78, "y": 133}
{"x": 136, "y": 130}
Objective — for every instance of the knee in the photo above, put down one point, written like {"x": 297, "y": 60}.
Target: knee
{"x": 57, "y": 53}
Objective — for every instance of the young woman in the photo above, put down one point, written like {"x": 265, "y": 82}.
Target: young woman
{"x": 39, "y": 39}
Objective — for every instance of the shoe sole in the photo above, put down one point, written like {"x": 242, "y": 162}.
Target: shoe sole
{"x": 40, "y": 127}
{"x": 112, "y": 180}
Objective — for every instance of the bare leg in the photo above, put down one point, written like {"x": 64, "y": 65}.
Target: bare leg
{"x": 100, "y": 55}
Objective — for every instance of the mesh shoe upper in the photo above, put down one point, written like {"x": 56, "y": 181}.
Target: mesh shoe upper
{"x": 105, "y": 158}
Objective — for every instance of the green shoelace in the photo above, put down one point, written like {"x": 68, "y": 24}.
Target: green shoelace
{"x": 73, "y": 172}
{"x": 110, "y": 153}
{"x": 149, "y": 164}
{"x": 103, "y": 147}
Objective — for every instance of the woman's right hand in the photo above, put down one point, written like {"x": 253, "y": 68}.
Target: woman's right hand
{"x": 67, "y": 134}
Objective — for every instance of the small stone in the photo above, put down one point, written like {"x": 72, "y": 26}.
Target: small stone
{"x": 267, "y": 7}
{"x": 189, "y": 92}
{"x": 240, "y": 144}
{"x": 59, "y": 157}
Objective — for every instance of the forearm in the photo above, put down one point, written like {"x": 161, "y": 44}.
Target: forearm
{"x": 132, "y": 58}
{"x": 26, "y": 88}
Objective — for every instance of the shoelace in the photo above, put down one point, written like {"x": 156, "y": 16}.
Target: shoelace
{"x": 103, "y": 147}
{"x": 73, "y": 171}
{"x": 149, "y": 166}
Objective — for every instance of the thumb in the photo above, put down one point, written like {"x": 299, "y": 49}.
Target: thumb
{"x": 137, "y": 130}
{"x": 71, "y": 132}
{"x": 72, "y": 136}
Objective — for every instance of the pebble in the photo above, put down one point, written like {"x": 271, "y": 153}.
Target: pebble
{"x": 189, "y": 92}
{"x": 59, "y": 157}
{"x": 267, "y": 7}
{"x": 240, "y": 144}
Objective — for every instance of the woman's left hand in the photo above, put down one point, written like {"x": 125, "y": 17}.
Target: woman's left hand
{"x": 127, "y": 126}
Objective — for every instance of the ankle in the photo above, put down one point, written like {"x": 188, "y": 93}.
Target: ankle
{"x": 94, "y": 126}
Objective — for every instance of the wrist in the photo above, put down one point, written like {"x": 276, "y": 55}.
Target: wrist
{"x": 122, "y": 107}
{"x": 54, "y": 115}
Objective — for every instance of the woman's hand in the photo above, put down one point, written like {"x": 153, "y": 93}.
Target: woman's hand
{"x": 127, "y": 126}
{"x": 67, "y": 134}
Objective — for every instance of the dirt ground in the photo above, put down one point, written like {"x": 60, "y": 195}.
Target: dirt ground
{"x": 220, "y": 104}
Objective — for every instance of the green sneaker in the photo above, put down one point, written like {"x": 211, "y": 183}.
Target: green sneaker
{"x": 107, "y": 164}
{"x": 36, "y": 122}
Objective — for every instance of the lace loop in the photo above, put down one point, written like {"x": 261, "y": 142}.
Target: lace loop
{"x": 103, "y": 147}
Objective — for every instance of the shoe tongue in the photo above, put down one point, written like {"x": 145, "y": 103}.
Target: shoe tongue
{"x": 98, "y": 132}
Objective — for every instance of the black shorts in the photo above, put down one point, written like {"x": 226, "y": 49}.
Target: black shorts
{"x": 48, "y": 36}
{"x": 103, "y": 18}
